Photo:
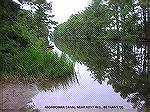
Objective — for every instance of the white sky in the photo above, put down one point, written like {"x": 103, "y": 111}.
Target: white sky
{"x": 62, "y": 9}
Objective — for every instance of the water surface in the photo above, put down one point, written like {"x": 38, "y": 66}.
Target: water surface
{"x": 106, "y": 74}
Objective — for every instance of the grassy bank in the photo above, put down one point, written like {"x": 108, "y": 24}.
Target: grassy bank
{"x": 23, "y": 41}
{"x": 34, "y": 63}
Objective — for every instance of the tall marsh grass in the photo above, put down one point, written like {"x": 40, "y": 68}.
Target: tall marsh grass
{"x": 35, "y": 63}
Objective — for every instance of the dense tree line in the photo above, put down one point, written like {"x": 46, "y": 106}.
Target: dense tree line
{"x": 127, "y": 19}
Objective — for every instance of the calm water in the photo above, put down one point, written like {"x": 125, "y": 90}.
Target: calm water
{"x": 106, "y": 74}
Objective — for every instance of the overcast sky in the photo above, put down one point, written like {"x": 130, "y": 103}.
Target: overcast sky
{"x": 64, "y": 8}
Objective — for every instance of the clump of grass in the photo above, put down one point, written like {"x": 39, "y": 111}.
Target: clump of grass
{"x": 32, "y": 63}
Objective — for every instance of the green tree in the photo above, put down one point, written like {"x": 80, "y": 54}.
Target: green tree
{"x": 114, "y": 19}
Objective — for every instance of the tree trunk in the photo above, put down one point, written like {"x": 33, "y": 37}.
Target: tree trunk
{"x": 146, "y": 17}
{"x": 117, "y": 16}
{"x": 144, "y": 22}
{"x": 148, "y": 14}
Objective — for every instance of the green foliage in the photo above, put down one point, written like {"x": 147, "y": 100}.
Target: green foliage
{"x": 8, "y": 10}
{"x": 23, "y": 41}
{"x": 36, "y": 61}
{"x": 109, "y": 19}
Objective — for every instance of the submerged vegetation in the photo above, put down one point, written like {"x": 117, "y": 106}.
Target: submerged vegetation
{"x": 109, "y": 19}
{"x": 23, "y": 41}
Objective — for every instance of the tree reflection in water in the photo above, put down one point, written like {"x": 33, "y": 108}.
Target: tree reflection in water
{"x": 126, "y": 66}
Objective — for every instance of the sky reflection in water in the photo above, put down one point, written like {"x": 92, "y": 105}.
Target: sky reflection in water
{"x": 85, "y": 93}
